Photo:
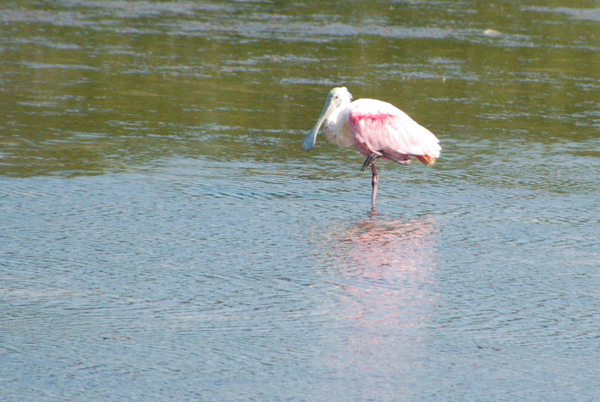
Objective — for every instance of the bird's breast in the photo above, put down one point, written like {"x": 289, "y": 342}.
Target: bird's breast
{"x": 338, "y": 132}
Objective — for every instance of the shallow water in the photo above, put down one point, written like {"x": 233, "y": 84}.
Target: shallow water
{"x": 163, "y": 235}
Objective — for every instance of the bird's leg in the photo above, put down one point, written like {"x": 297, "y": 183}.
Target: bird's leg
{"x": 370, "y": 161}
{"x": 374, "y": 184}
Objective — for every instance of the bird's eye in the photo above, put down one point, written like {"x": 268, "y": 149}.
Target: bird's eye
{"x": 337, "y": 96}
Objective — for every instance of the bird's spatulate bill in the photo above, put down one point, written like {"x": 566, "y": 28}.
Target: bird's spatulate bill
{"x": 311, "y": 137}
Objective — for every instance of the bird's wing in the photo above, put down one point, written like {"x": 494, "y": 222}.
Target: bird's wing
{"x": 381, "y": 127}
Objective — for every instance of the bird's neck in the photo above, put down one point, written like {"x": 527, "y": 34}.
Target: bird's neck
{"x": 336, "y": 127}
{"x": 337, "y": 119}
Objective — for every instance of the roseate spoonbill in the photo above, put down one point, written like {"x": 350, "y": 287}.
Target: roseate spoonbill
{"x": 378, "y": 130}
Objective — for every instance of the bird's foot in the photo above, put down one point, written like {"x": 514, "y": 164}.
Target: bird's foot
{"x": 370, "y": 160}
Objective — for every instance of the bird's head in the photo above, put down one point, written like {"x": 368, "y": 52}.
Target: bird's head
{"x": 336, "y": 98}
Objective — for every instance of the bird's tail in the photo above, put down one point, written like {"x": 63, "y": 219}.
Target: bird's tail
{"x": 426, "y": 159}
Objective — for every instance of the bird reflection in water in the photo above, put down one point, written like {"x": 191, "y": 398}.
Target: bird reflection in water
{"x": 387, "y": 298}
{"x": 378, "y": 248}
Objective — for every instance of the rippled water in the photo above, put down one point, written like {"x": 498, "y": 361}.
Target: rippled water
{"x": 164, "y": 237}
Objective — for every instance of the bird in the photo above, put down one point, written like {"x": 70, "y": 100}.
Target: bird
{"x": 377, "y": 129}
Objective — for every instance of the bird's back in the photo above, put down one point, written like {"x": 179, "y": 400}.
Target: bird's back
{"x": 381, "y": 127}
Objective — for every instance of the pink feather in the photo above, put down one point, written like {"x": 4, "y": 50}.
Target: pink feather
{"x": 381, "y": 127}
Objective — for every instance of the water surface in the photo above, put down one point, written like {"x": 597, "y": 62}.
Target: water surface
{"x": 164, "y": 236}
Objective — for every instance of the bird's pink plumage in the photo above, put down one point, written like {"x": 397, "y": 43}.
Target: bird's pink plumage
{"x": 381, "y": 127}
